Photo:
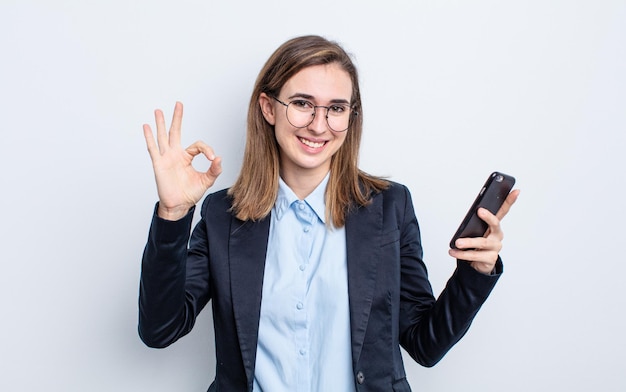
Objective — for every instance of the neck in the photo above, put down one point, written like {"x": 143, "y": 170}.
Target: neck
{"x": 303, "y": 182}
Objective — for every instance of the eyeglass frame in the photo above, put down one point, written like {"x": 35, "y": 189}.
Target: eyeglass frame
{"x": 286, "y": 105}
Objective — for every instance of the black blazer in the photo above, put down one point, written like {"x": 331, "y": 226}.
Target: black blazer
{"x": 391, "y": 300}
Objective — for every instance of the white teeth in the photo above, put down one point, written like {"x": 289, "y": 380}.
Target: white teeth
{"x": 311, "y": 144}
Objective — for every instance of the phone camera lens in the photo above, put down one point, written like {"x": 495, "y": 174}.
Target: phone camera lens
{"x": 499, "y": 178}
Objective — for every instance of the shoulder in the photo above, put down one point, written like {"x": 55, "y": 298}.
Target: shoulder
{"x": 217, "y": 203}
{"x": 393, "y": 197}
{"x": 396, "y": 192}
{"x": 397, "y": 204}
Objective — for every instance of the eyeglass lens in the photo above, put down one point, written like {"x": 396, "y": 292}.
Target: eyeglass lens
{"x": 301, "y": 113}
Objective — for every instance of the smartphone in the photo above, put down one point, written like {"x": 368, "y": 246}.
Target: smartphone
{"x": 491, "y": 196}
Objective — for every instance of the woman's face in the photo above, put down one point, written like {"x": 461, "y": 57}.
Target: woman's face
{"x": 308, "y": 151}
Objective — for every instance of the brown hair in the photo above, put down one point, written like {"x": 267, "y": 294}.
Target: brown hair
{"x": 255, "y": 191}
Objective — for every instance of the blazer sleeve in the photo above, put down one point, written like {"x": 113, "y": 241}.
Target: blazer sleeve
{"x": 429, "y": 327}
{"x": 174, "y": 282}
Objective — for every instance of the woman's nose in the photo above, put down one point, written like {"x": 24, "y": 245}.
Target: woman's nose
{"x": 320, "y": 120}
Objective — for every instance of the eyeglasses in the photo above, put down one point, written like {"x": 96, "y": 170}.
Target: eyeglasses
{"x": 301, "y": 113}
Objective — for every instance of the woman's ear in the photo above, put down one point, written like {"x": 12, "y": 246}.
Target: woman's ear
{"x": 267, "y": 108}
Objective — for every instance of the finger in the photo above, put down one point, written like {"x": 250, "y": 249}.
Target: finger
{"x": 215, "y": 170}
{"x": 201, "y": 148}
{"x": 161, "y": 132}
{"x": 492, "y": 221}
{"x": 508, "y": 202}
{"x": 216, "y": 162}
{"x": 177, "y": 121}
{"x": 479, "y": 243}
{"x": 153, "y": 149}
{"x": 488, "y": 257}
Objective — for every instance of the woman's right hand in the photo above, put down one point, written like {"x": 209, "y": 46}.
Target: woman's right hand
{"x": 179, "y": 185}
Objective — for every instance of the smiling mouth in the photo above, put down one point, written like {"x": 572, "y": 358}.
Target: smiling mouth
{"x": 311, "y": 144}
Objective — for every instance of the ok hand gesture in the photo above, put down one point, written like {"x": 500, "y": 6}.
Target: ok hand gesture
{"x": 179, "y": 185}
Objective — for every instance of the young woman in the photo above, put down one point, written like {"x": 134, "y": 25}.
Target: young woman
{"x": 314, "y": 268}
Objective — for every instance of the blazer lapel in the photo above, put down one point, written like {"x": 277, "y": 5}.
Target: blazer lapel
{"x": 362, "y": 228}
{"x": 247, "y": 248}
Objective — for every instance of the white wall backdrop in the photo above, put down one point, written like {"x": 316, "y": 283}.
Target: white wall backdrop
{"x": 452, "y": 91}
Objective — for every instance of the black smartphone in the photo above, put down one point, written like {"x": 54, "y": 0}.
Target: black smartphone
{"x": 491, "y": 197}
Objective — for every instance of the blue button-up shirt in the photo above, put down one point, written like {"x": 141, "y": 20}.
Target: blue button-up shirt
{"x": 304, "y": 331}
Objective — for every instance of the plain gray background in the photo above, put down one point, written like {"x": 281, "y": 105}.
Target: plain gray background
{"x": 452, "y": 91}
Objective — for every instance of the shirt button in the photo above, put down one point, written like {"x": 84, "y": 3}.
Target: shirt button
{"x": 360, "y": 378}
{"x": 302, "y": 351}
{"x": 302, "y": 267}
{"x": 299, "y": 305}
{"x": 301, "y": 205}
{"x": 306, "y": 229}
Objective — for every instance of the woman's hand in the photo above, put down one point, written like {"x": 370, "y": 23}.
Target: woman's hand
{"x": 482, "y": 252}
{"x": 179, "y": 185}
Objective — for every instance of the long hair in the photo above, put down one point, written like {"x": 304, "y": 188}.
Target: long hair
{"x": 256, "y": 189}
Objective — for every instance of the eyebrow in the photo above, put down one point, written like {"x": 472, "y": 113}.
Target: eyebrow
{"x": 312, "y": 98}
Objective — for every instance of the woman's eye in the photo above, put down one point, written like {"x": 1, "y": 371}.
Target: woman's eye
{"x": 338, "y": 109}
{"x": 302, "y": 104}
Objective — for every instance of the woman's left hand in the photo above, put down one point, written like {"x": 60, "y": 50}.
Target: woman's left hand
{"x": 482, "y": 252}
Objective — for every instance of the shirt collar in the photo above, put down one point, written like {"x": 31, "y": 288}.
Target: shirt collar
{"x": 316, "y": 200}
